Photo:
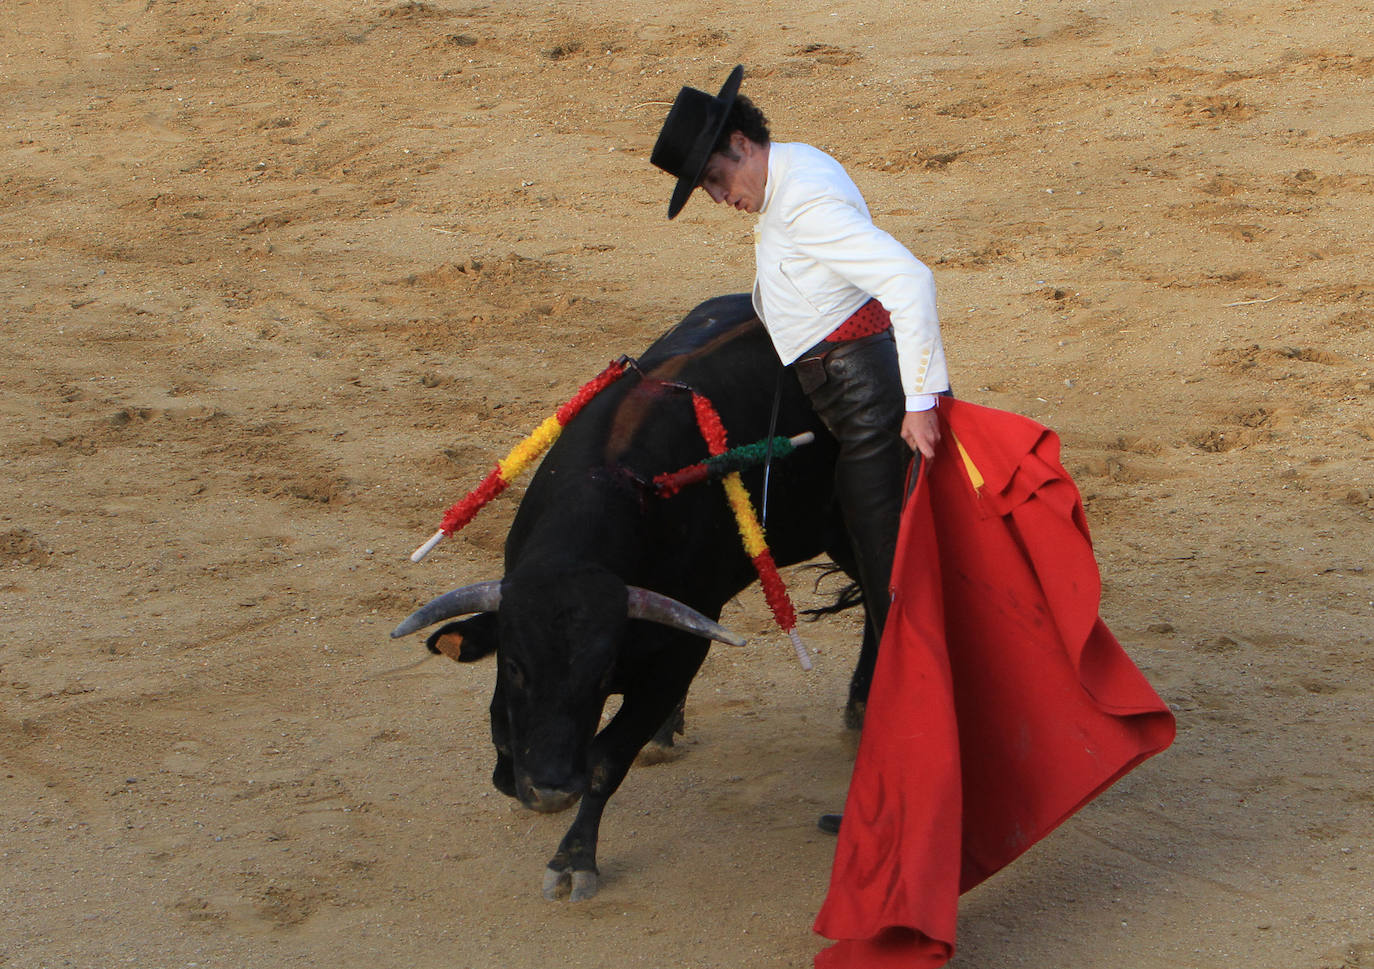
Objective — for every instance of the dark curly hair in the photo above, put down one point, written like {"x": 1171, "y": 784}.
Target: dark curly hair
{"x": 745, "y": 118}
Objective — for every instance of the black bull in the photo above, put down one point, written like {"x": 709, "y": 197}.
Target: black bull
{"x": 590, "y": 533}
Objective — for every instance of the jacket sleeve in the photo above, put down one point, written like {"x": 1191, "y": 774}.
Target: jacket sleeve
{"x": 845, "y": 241}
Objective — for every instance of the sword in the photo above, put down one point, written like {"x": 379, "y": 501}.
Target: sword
{"x": 768, "y": 449}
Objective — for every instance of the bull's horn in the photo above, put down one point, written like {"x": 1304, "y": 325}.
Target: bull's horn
{"x": 659, "y": 608}
{"x": 481, "y": 597}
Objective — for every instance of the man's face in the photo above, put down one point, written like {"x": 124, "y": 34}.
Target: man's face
{"x": 738, "y": 182}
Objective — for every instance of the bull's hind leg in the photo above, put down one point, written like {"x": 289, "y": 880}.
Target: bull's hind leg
{"x": 660, "y": 749}
{"x": 648, "y": 704}
{"x": 842, "y": 554}
{"x": 862, "y": 678}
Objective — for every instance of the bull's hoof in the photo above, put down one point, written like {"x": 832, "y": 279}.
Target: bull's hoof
{"x": 854, "y": 714}
{"x": 575, "y": 886}
{"x": 656, "y": 753}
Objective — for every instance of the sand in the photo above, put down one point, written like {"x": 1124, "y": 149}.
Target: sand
{"x": 280, "y": 281}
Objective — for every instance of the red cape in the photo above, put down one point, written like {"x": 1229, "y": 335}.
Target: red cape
{"x": 1001, "y": 703}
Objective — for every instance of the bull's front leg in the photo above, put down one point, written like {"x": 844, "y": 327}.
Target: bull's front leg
{"x": 572, "y": 871}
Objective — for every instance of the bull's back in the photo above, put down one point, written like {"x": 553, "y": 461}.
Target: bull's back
{"x": 592, "y": 495}
{"x": 724, "y": 318}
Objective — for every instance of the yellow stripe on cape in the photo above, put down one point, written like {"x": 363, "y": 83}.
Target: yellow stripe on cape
{"x": 975, "y": 476}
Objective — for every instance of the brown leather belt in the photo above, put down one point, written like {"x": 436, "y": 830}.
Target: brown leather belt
{"x": 810, "y": 366}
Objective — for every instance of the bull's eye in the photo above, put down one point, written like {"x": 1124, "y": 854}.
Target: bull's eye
{"x": 514, "y": 672}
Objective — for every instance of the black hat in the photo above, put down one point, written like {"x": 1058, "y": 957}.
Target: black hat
{"x": 689, "y": 133}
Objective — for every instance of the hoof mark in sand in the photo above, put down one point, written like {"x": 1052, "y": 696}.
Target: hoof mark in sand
{"x": 1269, "y": 363}
{"x": 826, "y": 54}
{"x": 266, "y": 223}
{"x": 285, "y": 906}
{"x": 925, "y": 159}
{"x": 563, "y": 50}
{"x": 1216, "y": 109}
{"x": 198, "y": 910}
{"x": 1356, "y": 955}
{"x": 19, "y": 546}
{"x": 412, "y": 9}
{"x": 1241, "y": 232}
{"x": 1354, "y": 320}
{"x": 1219, "y": 442}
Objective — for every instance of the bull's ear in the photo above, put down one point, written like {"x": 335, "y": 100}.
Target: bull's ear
{"x": 467, "y": 640}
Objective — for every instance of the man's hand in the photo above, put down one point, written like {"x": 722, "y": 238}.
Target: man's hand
{"x": 921, "y": 430}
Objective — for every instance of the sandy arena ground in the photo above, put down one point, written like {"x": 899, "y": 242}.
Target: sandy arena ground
{"x": 281, "y": 280}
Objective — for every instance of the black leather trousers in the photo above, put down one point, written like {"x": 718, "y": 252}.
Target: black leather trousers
{"x": 856, "y": 390}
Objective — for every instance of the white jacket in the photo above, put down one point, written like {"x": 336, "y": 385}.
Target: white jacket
{"x": 819, "y": 257}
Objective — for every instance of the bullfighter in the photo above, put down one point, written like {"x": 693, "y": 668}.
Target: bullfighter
{"x": 848, "y": 307}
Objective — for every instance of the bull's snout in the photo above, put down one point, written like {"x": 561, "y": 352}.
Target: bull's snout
{"x": 548, "y": 800}
{"x": 549, "y": 794}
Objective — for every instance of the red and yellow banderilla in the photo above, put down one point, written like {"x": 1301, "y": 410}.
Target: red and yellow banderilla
{"x": 520, "y": 457}
{"x": 755, "y": 545}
